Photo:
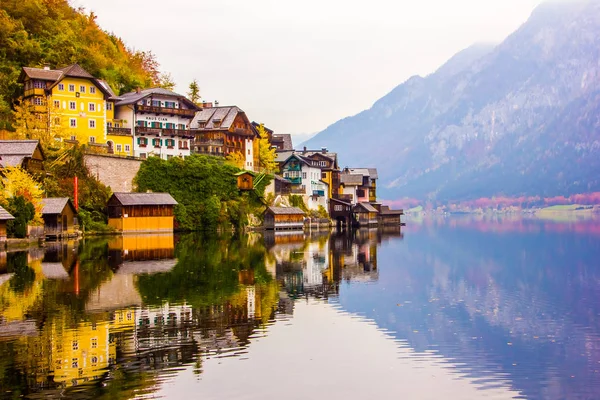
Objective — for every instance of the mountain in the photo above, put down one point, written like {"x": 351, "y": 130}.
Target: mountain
{"x": 518, "y": 119}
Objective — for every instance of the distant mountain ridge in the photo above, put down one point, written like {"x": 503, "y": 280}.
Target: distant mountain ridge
{"x": 518, "y": 119}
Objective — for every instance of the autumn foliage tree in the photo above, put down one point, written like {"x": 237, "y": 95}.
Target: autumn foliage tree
{"x": 22, "y": 196}
{"x": 266, "y": 152}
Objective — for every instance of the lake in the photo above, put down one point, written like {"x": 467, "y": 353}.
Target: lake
{"x": 454, "y": 308}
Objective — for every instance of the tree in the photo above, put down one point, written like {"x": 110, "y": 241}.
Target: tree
{"x": 18, "y": 183}
{"x": 23, "y": 211}
{"x": 194, "y": 93}
{"x": 266, "y": 153}
{"x": 236, "y": 159}
{"x": 166, "y": 81}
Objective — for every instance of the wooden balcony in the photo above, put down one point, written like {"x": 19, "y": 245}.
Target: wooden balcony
{"x": 118, "y": 131}
{"x": 210, "y": 142}
{"x": 295, "y": 180}
{"x": 164, "y": 110}
{"x": 144, "y": 130}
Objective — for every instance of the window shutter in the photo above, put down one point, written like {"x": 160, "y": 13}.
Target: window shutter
{"x": 139, "y": 140}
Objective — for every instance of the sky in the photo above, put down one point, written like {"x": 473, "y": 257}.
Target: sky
{"x": 299, "y": 66}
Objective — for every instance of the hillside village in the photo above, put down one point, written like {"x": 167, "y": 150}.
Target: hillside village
{"x": 71, "y": 105}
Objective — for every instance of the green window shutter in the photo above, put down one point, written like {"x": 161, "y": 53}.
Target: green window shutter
{"x": 139, "y": 140}
{"x": 161, "y": 142}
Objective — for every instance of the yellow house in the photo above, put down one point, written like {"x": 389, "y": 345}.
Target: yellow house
{"x": 78, "y": 105}
{"x": 141, "y": 212}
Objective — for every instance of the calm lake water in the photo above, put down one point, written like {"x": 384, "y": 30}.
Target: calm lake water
{"x": 453, "y": 308}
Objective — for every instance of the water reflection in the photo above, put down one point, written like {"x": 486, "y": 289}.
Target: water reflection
{"x": 472, "y": 307}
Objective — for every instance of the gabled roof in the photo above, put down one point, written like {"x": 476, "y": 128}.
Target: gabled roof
{"x": 134, "y": 97}
{"x": 104, "y": 85}
{"x": 285, "y": 210}
{"x": 351, "y": 179}
{"x": 370, "y": 172}
{"x": 285, "y": 139}
{"x": 282, "y": 156}
{"x": 42, "y": 74}
{"x": 55, "y": 205}
{"x": 5, "y": 215}
{"x": 385, "y": 210}
{"x": 143, "y": 199}
{"x": 76, "y": 71}
{"x": 12, "y": 152}
{"x": 244, "y": 173}
{"x": 367, "y": 207}
{"x": 224, "y": 116}
{"x": 298, "y": 157}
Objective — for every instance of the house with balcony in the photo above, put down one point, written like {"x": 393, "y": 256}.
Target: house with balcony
{"x": 358, "y": 185}
{"x": 305, "y": 180}
{"x": 152, "y": 122}
{"x": 220, "y": 131}
{"x": 69, "y": 101}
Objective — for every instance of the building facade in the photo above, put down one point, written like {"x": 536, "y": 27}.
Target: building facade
{"x": 152, "y": 122}
{"x": 305, "y": 179}
{"x": 141, "y": 212}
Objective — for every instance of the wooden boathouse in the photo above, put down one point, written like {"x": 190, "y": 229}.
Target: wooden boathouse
{"x": 278, "y": 218}
{"x": 365, "y": 214}
{"x": 60, "y": 217}
{"x": 141, "y": 212}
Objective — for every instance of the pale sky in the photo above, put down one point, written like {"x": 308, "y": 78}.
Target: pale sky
{"x": 299, "y": 66}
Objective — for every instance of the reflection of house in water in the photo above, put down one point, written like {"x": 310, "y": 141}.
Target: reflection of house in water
{"x": 59, "y": 259}
{"x": 138, "y": 254}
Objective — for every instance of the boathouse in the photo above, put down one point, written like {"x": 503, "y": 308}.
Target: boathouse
{"x": 284, "y": 218}
{"x": 390, "y": 217}
{"x": 5, "y": 216}
{"x": 60, "y": 217}
{"x": 141, "y": 212}
{"x": 365, "y": 214}
{"x": 341, "y": 212}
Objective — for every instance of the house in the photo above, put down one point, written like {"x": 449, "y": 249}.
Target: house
{"x": 390, "y": 217}
{"x": 220, "y": 131}
{"x": 69, "y": 100}
{"x": 365, "y": 214}
{"x": 282, "y": 142}
{"x": 277, "y": 218}
{"x": 155, "y": 121}
{"x": 282, "y": 186}
{"x": 359, "y": 185}
{"x": 26, "y": 154}
{"x": 60, "y": 217}
{"x": 5, "y": 216}
{"x": 341, "y": 212}
{"x": 141, "y": 212}
{"x": 305, "y": 178}
{"x": 245, "y": 180}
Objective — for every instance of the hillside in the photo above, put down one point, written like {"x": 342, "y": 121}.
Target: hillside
{"x": 517, "y": 119}
{"x": 38, "y": 32}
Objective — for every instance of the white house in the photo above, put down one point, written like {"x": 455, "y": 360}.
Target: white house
{"x": 306, "y": 181}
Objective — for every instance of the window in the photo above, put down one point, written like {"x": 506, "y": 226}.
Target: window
{"x": 169, "y": 104}
{"x": 156, "y": 142}
{"x": 248, "y": 151}
{"x": 94, "y": 343}
{"x": 81, "y": 89}
{"x": 56, "y": 103}
{"x": 119, "y": 148}
{"x": 94, "y": 360}
{"x": 143, "y": 142}
{"x": 72, "y": 105}
{"x": 92, "y": 139}
{"x": 127, "y": 148}
{"x": 73, "y": 137}
{"x": 143, "y": 156}
{"x": 323, "y": 175}
{"x": 71, "y": 88}
{"x": 37, "y": 101}
{"x": 337, "y": 207}
{"x": 73, "y": 123}
{"x": 56, "y": 121}
{"x": 75, "y": 363}
{"x": 92, "y": 107}
{"x": 38, "y": 84}
{"x": 109, "y": 124}
{"x": 155, "y": 103}
{"x": 108, "y": 106}
{"x": 75, "y": 345}
{"x": 92, "y": 123}
{"x": 304, "y": 175}
{"x": 92, "y": 90}
{"x": 61, "y": 87}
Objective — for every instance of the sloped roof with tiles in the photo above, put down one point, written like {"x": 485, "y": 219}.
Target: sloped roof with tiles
{"x": 5, "y": 215}
{"x": 12, "y": 152}
{"x": 285, "y": 210}
{"x": 134, "y": 97}
{"x": 367, "y": 207}
{"x": 285, "y": 139}
{"x": 42, "y": 74}
{"x": 55, "y": 205}
{"x": 216, "y": 118}
{"x": 351, "y": 179}
{"x": 144, "y": 199}
{"x": 73, "y": 71}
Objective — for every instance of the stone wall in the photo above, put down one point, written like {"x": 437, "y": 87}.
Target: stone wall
{"x": 116, "y": 172}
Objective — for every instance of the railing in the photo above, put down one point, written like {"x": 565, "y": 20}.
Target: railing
{"x": 295, "y": 180}
{"x": 297, "y": 190}
{"x": 241, "y": 131}
{"x": 320, "y": 193}
{"x": 118, "y": 131}
{"x": 294, "y": 167}
{"x": 164, "y": 110}
{"x": 35, "y": 92}
{"x": 145, "y": 130}
{"x": 210, "y": 142}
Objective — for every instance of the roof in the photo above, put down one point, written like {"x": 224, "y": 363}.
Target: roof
{"x": 75, "y": 71}
{"x": 55, "y": 205}
{"x": 12, "y": 152}
{"x": 106, "y": 87}
{"x": 285, "y": 210}
{"x": 370, "y": 172}
{"x": 146, "y": 267}
{"x": 282, "y": 156}
{"x": 54, "y": 270}
{"x": 284, "y": 138}
{"x": 367, "y": 207}
{"x": 142, "y": 199}
{"x": 298, "y": 157}
{"x": 351, "y": 179}
{"x": 244, "y": 173}
{"x": 224, "y": 116}
{"x": 42, "y": 74}
{"x": 134, "y": 97}
{"x": 385, "y": 210}
{"x": 5, "y": 215}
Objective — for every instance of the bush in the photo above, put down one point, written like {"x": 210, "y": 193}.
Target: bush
{"x": 24, "y": 212}
{"x": 93, "y": 221}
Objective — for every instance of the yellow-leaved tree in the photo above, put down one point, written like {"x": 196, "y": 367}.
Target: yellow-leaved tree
{"x": 236, "y": 159}
{"x": 266, "y": 153}
{"x": 17, "y": 182}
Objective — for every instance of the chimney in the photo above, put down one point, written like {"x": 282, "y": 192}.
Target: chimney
{"x": 46, "y": 67}
{"x": 138, "y": 90}
{"x": 216, "y": 103}
{"x": 304, "y": 150}
{"x": 324, "y": 150}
